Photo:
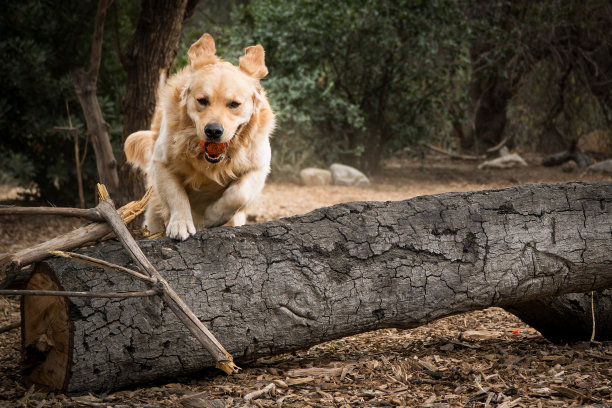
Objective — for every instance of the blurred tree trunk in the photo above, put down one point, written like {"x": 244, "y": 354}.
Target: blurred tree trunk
{"x": 85, "y": 84}
{"x": 149, "y": 53}
{"x": 489, "y": 98}
{"x": 372, "y": 158}
{"x": 576, "y": 46}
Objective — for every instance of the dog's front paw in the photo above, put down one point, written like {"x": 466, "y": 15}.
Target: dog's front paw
{"x": 180, "y": 229}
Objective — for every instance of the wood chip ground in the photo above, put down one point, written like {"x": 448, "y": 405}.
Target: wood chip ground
{"x": 487, "y": 358}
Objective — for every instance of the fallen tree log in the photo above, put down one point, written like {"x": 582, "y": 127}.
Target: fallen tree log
{"x": 288, "y": 284}
{"x": 583, "y": 160}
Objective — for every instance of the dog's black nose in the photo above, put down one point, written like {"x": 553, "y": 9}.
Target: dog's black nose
{"x": 213, "y": 131}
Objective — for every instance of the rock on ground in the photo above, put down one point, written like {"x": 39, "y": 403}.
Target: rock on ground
{"x": 344, "y": 175}
{"x": 315, "y": 177}
{"x": 504, "y": 162}
{"x": 604, "y": 166}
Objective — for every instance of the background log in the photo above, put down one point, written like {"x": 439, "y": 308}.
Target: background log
{"x": 569, "y": 318}
{"x": 288, "y": 284}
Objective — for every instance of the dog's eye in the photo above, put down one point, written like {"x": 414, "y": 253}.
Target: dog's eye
{"x": 203, "y": 101}
{"x": 233, "y": 104}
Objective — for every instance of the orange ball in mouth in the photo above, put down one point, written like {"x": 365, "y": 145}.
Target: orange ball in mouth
{"x": 214, "y": 152}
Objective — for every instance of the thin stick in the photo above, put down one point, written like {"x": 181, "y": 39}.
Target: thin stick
{"x": 63, "y": 128}
{"x": 90, "y": 214}
{"x": 144, "y": 293}
{"x": 104, "y": 264}
{"x": 452, "y": 154}
{"x": 593, "y": 316}
{"x": 77, "y": 159}
{"x": 9, "y": 327}
{"x": 169, "y": 296}
{"x": 501, "y": 144}
{"x": 84, "y": 156}
{"x": 268, "y": 389}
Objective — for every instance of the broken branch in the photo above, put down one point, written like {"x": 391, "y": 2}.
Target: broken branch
{"x": 20, "y": 292}
{"x": 69, "y": 241}
{"x": 90, "y": 214}
{"x": 104, "y": 264}
{"x": 168, "y": 295}
{"x": 9, "y": 327}
{"x": 453, "y": 154}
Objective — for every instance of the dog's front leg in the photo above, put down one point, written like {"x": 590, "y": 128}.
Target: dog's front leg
{"x": 236, "y": 196}
{"x": 173, "y": 195}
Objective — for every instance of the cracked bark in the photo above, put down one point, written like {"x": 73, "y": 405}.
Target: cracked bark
{"x": 288, "y": 284}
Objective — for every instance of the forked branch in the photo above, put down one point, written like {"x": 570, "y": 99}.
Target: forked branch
{"x": 168, "y": 295}
{"x": 11, "y": 273}
{"x": 115, "y": 222}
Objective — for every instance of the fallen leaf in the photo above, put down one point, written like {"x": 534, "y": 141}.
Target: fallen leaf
{"x": 297, "y": 381}
{"x": 268, "y": 389}
{"x": 476, "y": 335}
{"x": 552, "y": 358}
{"x": 315, "y": 372}
{"x": 571, "y": 393}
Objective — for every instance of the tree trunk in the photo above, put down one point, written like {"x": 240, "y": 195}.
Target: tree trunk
{"x": 85, "y": 84}
{"x": 288, "y": 284}
{"x": 149, "y": 53}
{"x": 489, "y": 98}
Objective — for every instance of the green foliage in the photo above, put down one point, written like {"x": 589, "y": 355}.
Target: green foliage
{"x": 553, "y": 57}
{"x": 41, "y": 44}
{"x": 352, "y": 79}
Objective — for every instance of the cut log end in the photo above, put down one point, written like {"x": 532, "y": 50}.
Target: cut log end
{"x": 45, "y": 333}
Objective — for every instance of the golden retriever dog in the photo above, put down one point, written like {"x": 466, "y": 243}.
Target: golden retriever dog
{"x": 207, "y": 154}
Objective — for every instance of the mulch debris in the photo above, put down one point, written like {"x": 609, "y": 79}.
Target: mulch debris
{"x": 485, "y": 358}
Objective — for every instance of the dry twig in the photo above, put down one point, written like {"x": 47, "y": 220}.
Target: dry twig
{"x": 453, "y": 154}
{"x": 104, "y": 264}
{"x": 90, "y": 214}
{"x": 270, "y": 388}
{"x": 501, "y": 144}
{"x": 9, "y": 327}
{"x": 18, "y": 292}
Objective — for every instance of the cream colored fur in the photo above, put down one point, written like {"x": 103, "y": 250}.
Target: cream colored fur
{"x": 189, "y": 193}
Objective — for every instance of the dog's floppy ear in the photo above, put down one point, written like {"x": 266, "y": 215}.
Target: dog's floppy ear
{"x": 202, "y": 52}
{"x": 253, "y": 62}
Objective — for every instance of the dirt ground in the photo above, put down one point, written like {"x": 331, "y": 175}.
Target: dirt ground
{"x": 487, "y": 358}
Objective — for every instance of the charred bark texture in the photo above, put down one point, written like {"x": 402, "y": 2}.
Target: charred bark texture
{"x": 288, "y": 284}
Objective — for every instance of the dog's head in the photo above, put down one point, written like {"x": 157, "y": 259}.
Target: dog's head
{"x": 220, "y": 97}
